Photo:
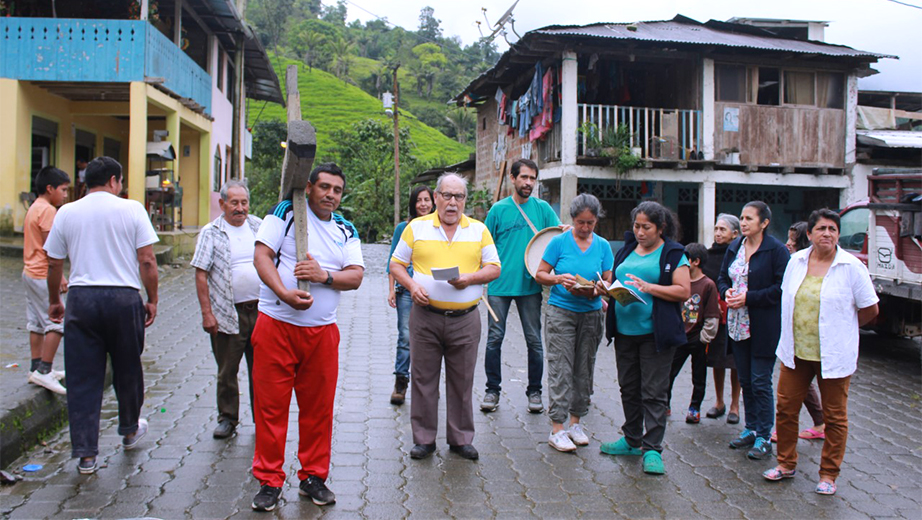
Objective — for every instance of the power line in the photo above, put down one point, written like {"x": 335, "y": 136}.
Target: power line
{"x": 906, "y": 4}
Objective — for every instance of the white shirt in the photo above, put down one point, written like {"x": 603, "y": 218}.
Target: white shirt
{"x": 101, "y": 234}
{"x": 333, "y": 243}
{"x": 846, "y": 288}
{"x": 244, "y": 279}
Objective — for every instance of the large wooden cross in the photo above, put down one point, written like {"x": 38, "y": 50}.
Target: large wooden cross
{"x": 301, "y": 147}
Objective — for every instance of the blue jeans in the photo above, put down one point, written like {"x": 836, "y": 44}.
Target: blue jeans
{"x": 756, "y": 381}
{"x": 530, "y": 314}
{"x": 404, "y": 305}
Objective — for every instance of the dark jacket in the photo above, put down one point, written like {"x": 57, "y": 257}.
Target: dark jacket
{"x": 715, "y": 259}
{"x": 763, "y": 298}
{"x": 668, "y": 328}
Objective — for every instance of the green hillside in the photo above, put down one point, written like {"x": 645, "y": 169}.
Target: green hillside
{"x": 330, "y": 105}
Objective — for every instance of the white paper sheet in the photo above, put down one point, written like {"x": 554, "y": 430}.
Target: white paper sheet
{"x": 448, "y": 273}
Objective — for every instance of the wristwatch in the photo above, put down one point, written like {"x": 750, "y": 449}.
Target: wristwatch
{"x": 329, "y": 280}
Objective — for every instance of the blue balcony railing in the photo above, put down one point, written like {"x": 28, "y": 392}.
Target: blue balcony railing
{"x": 102, "y": 51}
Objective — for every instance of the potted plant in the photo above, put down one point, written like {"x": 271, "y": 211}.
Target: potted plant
{"x": 616, "y": 145}
{"x": 593, "y": 143}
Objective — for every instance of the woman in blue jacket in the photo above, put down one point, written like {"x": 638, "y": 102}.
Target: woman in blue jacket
{"x": 750, "y": 282}
{"x": 646, "y": 334}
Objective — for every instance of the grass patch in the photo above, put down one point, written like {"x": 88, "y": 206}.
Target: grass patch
{"x": 331, "y": 104}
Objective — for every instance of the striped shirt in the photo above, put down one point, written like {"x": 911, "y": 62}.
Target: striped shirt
{"x": 425, "y": 245}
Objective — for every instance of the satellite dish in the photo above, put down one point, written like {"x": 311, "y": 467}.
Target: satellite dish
{"x": 499, "y": 26}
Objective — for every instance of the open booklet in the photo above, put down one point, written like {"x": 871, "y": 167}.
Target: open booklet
{"x": 621, "y": 293}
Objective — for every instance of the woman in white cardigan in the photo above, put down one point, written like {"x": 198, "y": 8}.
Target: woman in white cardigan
{"x": 826, "y": 295}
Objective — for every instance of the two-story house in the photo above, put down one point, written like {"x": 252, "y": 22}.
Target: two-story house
{"x": 719, "y": 113}
{"x": 102, "y": 77}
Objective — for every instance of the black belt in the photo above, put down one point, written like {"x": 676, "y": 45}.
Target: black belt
{"x": 450, "y": 313}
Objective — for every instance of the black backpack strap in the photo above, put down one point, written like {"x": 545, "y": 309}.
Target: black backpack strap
{"x": 278, "y": 254}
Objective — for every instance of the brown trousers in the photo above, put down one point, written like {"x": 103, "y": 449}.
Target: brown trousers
{"x": 792, "y": 387}
{"x": 432, "y": 338}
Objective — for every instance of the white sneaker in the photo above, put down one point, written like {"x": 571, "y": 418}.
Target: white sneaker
{"x": 48, "y": 381}
{"x": 578, "y": 435}
{"x": 560, "y": 441}
{"x": 57, "y": 374}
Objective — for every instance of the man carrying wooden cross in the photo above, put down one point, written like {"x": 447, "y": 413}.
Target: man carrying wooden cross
{"x": 296, "y": 340}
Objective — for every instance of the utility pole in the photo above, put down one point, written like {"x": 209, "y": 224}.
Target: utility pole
{"x": 396, "y": 149}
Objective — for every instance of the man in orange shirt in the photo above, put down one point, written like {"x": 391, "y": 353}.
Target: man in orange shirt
{"x": 51, "y": 185}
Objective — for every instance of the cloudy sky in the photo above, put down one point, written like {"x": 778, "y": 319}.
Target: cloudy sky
{"x": 881, "y": 26}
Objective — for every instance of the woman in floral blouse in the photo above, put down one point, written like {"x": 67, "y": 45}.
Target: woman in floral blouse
{"x": 750, "y": 282}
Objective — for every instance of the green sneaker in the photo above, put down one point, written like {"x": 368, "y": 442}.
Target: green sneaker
{"x": 620, "y": 447}
{"x": 653, "y": 463}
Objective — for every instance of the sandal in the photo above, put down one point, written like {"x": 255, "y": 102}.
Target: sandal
{"x": 812, "y": 434}
{"x": 778, "y": 473}
{"x": 774, "y": 437}
{"x": 715, "y": 412}
{"x": 826, "y": 488}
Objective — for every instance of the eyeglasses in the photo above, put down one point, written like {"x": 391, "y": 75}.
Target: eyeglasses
{"x": 457, "y": 196}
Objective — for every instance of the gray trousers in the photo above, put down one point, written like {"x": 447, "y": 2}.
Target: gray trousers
{"x": 643, "y": 374}
{"x": 432, "y": 338}
{"x": 572, "y": 342}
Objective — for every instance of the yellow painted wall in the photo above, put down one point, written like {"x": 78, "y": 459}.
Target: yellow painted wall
{"x": 22, "y": 100}
{"x": 188, "y": 176}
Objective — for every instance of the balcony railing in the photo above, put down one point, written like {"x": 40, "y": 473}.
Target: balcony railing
{"x": 660, "y": 133}
{"x": 99, "y": 51}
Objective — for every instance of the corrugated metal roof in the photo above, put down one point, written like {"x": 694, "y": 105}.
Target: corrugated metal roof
{"x": 679, "y": 31}
{"x": 890, "y": 138}
{"x": 694, "y": 33}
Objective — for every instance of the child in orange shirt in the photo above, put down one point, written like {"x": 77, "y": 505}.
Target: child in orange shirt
{"x": 51, "y": 185}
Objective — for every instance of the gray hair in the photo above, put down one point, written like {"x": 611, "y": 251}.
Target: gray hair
{"x": 732, "y": 220}
{"x": 450, "y": 175}
{"x": 233, "y": 184}
{"x": 585, "y": 201}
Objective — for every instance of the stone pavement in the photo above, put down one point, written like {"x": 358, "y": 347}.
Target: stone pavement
{"x": 179, "y": 471}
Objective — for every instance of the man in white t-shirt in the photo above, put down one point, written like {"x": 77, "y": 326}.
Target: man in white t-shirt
{"x": 296, "y": 340}
{"x": 109, "y": 241}
{"x": 228, "y": 294}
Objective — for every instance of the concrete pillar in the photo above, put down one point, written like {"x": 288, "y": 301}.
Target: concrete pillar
{"x": 14, "y": 163}
{"x": 707, "y": 212}
{"x": 173, "y": 127}
{"x": 707, "y": 108}
{"x": 204, "y": 182}
{"x": 239, "y": 113}
{"x": 851, "y": 118}
{"x": 569, "y": 121}
{"x": 137, "y": 141}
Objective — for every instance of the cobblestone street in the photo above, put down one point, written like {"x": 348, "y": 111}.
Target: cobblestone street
{"x": 179, "y": 471}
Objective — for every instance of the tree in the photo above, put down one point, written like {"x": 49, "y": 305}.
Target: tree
{"x": 269, "y": 17}
{"x": 335, "y": 14}
{"x": 429, "y": 29}
{"x": 431, "y": 61}
{"x": 264, "y": 172}
{"x": 342, "y": 57}
{"x": 463, "y": 121}
{"x": 365, "y": 152}
{"x": 311, "y": 41}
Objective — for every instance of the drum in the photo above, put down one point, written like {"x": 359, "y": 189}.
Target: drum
{"x": 536, "y": 246}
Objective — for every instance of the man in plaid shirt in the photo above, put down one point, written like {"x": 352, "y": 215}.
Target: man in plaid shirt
{"x": 228, "y": 293}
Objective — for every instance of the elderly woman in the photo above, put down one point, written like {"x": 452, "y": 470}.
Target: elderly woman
{"x": 646, "y": 333}
{"x": 573, "y": 319}
{"x": 750, "y": 282}
{"x": 720, "y": 357}
{"x": 398, "y": 297}
{"x": 826, "y": 295}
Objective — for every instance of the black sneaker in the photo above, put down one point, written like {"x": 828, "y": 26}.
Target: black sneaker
{"x": 761, "y": 450}
{"x": 318, "y": 491}
{"x": 746, "y": 439}
{"x": 267, "y": 498}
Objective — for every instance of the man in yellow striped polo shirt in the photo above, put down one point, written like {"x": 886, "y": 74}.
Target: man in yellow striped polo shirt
{"x": 444, "y": 322}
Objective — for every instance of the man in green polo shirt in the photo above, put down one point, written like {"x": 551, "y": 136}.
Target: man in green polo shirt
{"x": 511, "y": 232}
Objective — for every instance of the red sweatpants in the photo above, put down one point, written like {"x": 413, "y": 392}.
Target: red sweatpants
{"x": 305, "y": 359}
